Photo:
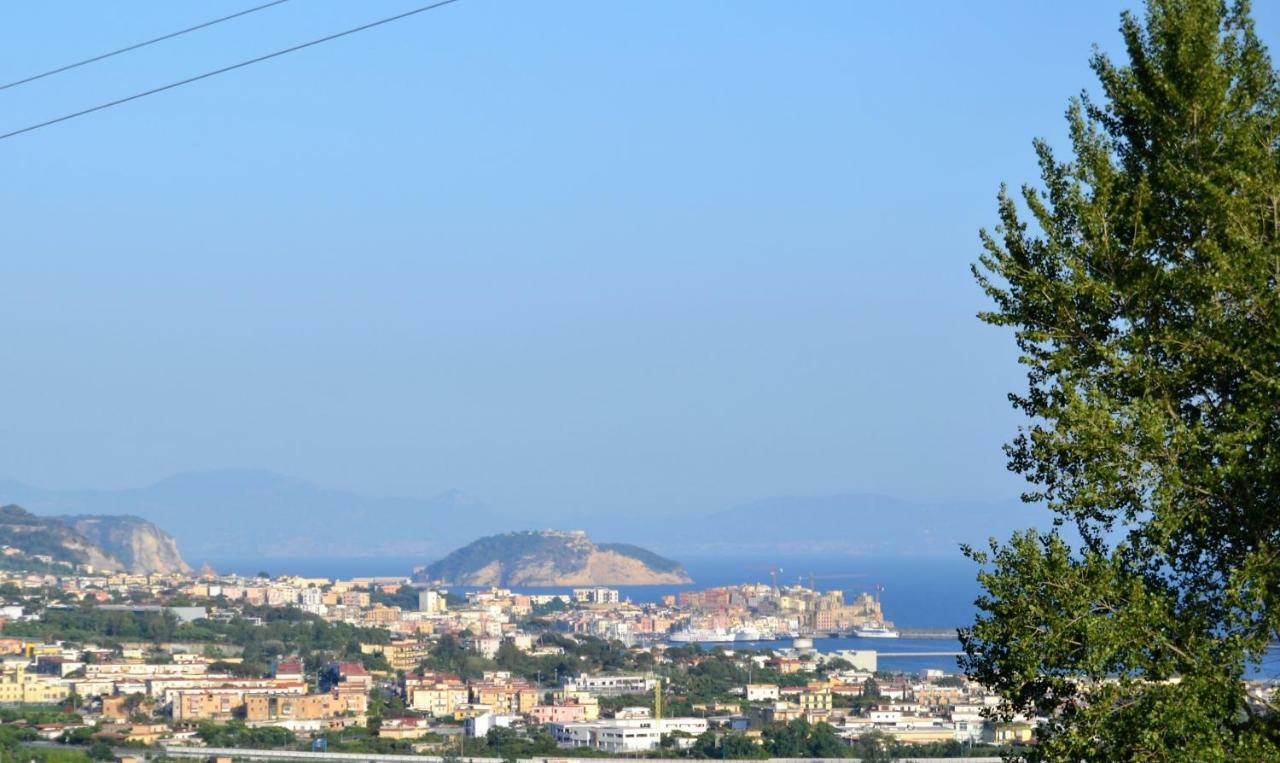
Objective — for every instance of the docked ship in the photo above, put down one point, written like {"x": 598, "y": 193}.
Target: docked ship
{"x": 720, "y": 635}
{"x": 702, "y": 636}
{"x": 875, "y": 630}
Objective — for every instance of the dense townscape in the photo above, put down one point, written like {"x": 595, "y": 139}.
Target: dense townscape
{"x": 114, "y": 660}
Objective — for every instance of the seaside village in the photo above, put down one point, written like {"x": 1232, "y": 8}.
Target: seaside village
{"x": 185, "y": 661}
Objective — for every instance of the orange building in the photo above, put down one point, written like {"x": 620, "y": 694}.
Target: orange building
{"x": 514, "y": 698}
{"x": 308, "y": 707}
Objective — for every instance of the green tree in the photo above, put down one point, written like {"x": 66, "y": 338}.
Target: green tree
{"x": 875, "y": 747}
{"x": 824, "y": 743}
{"x": 738, "y": 747}
{"x": 704, "y": 746}
{"x": 870, "y": 688}
{"x": 1141, "y": 282}
{"x": 787, "y": 740}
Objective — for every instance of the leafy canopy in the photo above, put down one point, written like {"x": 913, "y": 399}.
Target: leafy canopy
{"x": 1141, "y": 282}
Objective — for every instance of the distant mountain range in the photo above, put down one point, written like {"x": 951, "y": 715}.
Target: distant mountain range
{"x": 853, "y": 523}
{"x": 251, "y": 513}
{"x": 258, "y": 514}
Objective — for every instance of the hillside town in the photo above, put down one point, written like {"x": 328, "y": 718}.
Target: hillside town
{"x": 118, "y": 660}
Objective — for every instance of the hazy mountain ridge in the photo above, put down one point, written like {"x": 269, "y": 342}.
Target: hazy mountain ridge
{"x": 255, "y": 513}
{"x": 851, "y": 523}
{"x": 259, "y": 514}
{"x": 552, "y": 558}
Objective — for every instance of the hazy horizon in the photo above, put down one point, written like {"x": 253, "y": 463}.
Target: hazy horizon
{"x": 259, "y": 514}
{"x": 561, "y": 258}
{"x": 454, "y": 493}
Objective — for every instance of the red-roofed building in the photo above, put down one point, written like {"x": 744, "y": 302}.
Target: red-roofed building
{"x": 290, "y": 668}
{"x": 346, "y": 676}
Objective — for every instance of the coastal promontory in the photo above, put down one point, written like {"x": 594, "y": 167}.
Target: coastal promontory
{"x": 548, "y": 558}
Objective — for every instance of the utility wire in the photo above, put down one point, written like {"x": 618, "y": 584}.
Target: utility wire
{"x": 226, "y": 69}
{"x": 135, "y": 46}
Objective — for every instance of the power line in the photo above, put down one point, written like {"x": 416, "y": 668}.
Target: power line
{"x": 226, "y": 69}
{"x": 135, "y": 46}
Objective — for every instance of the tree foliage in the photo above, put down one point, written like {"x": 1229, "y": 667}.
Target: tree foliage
{"x": 1141, "y": 281}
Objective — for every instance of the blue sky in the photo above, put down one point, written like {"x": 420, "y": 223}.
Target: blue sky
{"x": 562, "y": 256}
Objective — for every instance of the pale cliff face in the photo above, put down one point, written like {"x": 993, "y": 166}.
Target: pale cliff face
{"x": 140, "y": 546}
{"x": 94, "y": 556}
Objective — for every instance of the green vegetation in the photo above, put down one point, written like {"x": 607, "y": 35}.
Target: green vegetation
{"x": 1141, "y": 282}
{"x": 284, "y": 631}
{"x": 582, "y": 654}
{"x": 405, "y": 597}
{"x": 557, "y": 550}
{"x": 508, "y": 745}
{"x": 365, "y": 739}
{"x": 799, "y": 739}
{"x": 17, "y": 732}
{"x": 34, "y": 566}
{"x": 237, "y": 734}
{"x": 39, "y": 535}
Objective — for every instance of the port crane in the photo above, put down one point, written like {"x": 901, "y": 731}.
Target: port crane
{"x": 773, "y": 571}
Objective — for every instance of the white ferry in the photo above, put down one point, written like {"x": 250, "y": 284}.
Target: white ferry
{"x": 875, "y": 630}
{"x": 701, "y": 636}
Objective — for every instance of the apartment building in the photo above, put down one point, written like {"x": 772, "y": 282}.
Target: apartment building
{"x": 762, "y": 692}
{"x": 596, "y": 595}
{"x": 566, "y": 712}
{"x": 612, "y": 686}
{"x": 405, "y": 654}
{"x": 351, "y": 674}
{"x": 18, "y": 685}
{"x": 439, "y": 694}
{"x": 505, "y": 698}
{"x": 623, "y": 736}
{"x": 226, "y": 701}
{"x": 306, "y": 707}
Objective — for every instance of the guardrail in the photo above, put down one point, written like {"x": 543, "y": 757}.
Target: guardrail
{"x": 368, "y": 757}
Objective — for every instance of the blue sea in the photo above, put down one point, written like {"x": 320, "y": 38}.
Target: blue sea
{"x": 924, "y": 592}
{"x": 916, "y": 592}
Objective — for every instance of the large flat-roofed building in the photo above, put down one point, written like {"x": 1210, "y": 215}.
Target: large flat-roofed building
{"x": 275, "y": 707}
{"x": 611, "y": 686}
{"x": 431, "y": 602}
{"x": 596, "y": 595}
{"x": 18, "y": 685}
{"x": 621, "y": 736}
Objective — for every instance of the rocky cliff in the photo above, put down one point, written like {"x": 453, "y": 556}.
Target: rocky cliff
{"x": 110, "y": 543}
{"x": 139, "y": 545}
{"x": 552, "y": 558}
{"x": 34, "y": 536}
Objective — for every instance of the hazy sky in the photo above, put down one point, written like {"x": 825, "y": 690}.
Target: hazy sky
{"x": 558, "y": 255}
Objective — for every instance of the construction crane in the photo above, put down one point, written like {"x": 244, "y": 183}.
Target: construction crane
{"x": 773, "y": 573}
